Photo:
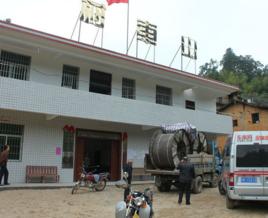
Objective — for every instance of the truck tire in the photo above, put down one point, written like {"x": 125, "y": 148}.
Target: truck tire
{"x": 214, "y": 182}
{"x": 162, "y": 184}
{"x": 230, "y": 204}
{"x": 197, "y": 185}
{"x": 164, "y": 187}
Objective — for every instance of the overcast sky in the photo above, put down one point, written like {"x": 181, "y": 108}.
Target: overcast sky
{"x": 215, "y": 24}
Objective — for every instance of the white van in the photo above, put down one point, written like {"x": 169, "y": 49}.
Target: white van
{"x": 245, "y": 167}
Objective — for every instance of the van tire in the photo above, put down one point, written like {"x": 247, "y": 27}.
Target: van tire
{"x": 230, "y": 204}
{"x": 221, "y": 189}
{"x": 197, "y": 185}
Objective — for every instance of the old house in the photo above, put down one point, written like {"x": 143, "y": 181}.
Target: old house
{"x": 245, "y": 116}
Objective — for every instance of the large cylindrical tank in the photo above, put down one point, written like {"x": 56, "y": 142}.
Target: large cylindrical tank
{"x": 166, "y": 150}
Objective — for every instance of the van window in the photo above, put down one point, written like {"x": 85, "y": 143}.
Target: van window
{"x": 252, "y": 156}
{"x": 264, "y": 155}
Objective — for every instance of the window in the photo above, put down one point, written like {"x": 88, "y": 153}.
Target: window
{"x": 255, "y": 118}
{"x": 235, "y": 123}
{"x": 128, "y": 88}
{"x": 100, "y": 82}
{"x": 12, "y": 135}
{"x": 70, "y": 77}
{"x": 252, "y": 156}
{"x": 14, "y": 65}
{"x": 163, "y": 95}
{"x": 67, "y": 153}
{"x": 190, "y": 105}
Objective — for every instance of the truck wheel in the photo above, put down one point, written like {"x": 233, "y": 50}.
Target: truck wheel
{"x": 214, "y": 182}
{"x": 230, "y": 204}
{"x": 164, "y": 187}
{"x": 162, "y": 184}
{"x": 197, "y": 185}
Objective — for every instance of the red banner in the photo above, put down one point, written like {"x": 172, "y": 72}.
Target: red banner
{"x": 116, "y": 1}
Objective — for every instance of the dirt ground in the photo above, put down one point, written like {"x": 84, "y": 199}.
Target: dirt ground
{"x": 59, "y": 203}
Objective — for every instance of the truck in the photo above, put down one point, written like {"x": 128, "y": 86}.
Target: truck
{"x": 167, "y": 148}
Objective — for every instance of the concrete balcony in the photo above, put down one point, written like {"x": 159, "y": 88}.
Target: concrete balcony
{"x": 59, "y": 101}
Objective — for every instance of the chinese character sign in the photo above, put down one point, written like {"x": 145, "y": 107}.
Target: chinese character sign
{"x": 146, "y": 32}
{"x": 93, "y": 13}
{"x": 188, "y": 47}
{"x": 244, "y": 138}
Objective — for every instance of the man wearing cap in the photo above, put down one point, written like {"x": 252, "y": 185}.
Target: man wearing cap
{"x": 187, "y": 174}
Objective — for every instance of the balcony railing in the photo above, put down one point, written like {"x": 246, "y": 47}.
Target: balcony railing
{"x": 49, "y": 99}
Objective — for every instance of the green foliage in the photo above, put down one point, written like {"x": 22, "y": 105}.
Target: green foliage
{"x": 243, "y": 71}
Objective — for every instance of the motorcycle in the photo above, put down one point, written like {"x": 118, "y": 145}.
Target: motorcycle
{"x": 92, "y": 180}
{"x": 137, "y": 205}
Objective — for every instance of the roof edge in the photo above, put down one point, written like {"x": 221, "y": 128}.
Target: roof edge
{"x": 84, "y": 46}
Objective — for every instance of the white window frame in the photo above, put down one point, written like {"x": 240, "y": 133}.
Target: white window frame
{"x": 128, "y": 91}
{"x": 163, "y": 98}
{"x": 70, "y": 79}
{"x": 16, "y": 66}
{"x": 15, "y": 136}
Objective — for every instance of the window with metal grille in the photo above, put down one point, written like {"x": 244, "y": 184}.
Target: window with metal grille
{"x": 12, "y": 135}
{"x": 128, "y": 88}
{"x": 70, "y": 76}
{"x": 190, "y": 105}
{"x": 14, "y": 65}
{"x": 100, "y": 82}
{"x": 255, "y": 118}
{"x": 163, "y": 95}
{"x": 67, "y": 153}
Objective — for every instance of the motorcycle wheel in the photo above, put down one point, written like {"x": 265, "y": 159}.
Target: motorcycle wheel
{"x": 75, "y": 188}
{"x": 100, "y": 185}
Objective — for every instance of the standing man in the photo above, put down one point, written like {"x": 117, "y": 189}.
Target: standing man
{"x": 3, "y": 165}
{"x": 128, "y": 168}
{"x": 187, "y": 174}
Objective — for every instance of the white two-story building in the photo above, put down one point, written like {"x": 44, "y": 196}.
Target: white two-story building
{"x": 62, "y": 101}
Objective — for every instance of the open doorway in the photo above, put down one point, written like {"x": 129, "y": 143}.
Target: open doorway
{"x": 100, "y": 149}
{"x": 98, "y": 152}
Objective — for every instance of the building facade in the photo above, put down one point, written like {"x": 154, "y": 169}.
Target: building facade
{"x": 62, "y": 101}
{"x": 246, "y": 117}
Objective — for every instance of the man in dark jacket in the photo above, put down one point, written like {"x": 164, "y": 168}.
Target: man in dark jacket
{"x": 3, "y": 165}
{"x": 187, "y": 174}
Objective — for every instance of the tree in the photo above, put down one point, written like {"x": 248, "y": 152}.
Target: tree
{"x": 210, "y": 70}
{"x": 243, "y": 71}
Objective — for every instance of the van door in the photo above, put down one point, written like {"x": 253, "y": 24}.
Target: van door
{"x": 249, "y": 170}
{"x": 264, "y": 153}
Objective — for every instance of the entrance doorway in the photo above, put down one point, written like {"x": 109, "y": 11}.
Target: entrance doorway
{"x": 99, "y": 148}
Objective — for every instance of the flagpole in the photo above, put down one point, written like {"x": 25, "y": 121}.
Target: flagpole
{"x": 127, "y": 25}
{"x": 80, "y": 23}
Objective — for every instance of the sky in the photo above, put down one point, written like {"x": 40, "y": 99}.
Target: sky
{"x": 215, "y": 25}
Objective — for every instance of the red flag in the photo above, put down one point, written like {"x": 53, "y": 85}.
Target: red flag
{"x": 116, "y": 1}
